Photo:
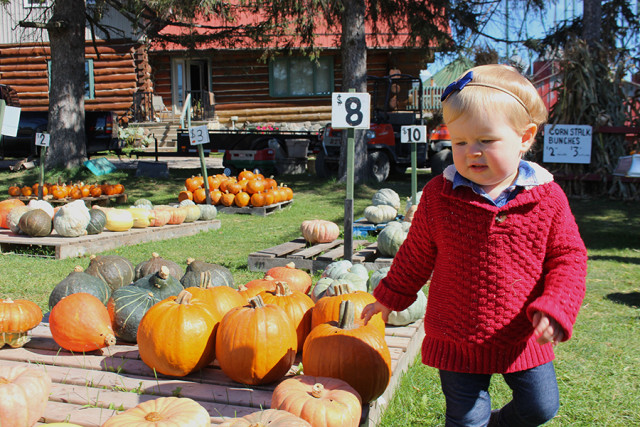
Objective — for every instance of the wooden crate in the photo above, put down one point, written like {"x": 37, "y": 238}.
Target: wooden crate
{"x": 253, "y": 210}
{"x": 90, "y": 388}
{"x": 56, "y": 246}
{"x": 316, "y": 257}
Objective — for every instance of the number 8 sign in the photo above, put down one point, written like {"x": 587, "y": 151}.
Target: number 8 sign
{"x": 350, "y": 110}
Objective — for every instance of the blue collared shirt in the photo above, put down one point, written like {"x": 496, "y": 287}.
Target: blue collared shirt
{"x": 526, "y": 178}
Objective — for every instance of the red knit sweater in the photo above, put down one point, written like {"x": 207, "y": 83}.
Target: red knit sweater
{"x": 492, "y": 269}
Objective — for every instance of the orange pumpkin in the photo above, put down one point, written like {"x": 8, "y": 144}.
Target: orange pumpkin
{"x": 227, "y": 198}
{"x": 185, "y": 195}
{"x": 267, "y": 417}
{"x": 351, "y": 351}
{"x": 216, "y": 195}
{"x": 80, "y": 322}
{"x": 193, "y": 183}
{"x": 214, "y": 182}
{"x": 96, "y": 191}
{"x": 245, "y": 174}
{"x": 266, "y": 348}
{"x": 200, "y": 196}
{"x": 256, "y": 287}
{"x": 297, "y": 279}
{"x": 255, "y": 185}
{"x": 175, "y": 411}
{"x": 17, "y": 318}
{"x": 257, "y": 199}
{"x": 327, "y": 402}
{"x": 5, "y": 208}
{"x": 220, "y": 299}
{"x": 14, "y": 190}
{"x": 241, "y": 199}
{"x": 24, "y": 393}
{"x": 26, "y": 191}
{"x": 319, "y": 231}
{"x": 269, "y": 198}
{"x": 159, "y": 217}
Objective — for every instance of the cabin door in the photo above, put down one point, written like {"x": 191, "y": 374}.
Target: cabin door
{"x": 190, "y": 76}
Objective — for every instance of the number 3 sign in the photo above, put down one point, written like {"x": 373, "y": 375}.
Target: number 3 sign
{"x": 350, "y": 110}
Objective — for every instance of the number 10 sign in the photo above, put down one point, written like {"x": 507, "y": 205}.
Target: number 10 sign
{"x": 350, "y": 110}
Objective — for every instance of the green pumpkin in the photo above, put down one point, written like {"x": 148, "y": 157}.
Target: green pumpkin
{"x": 13, "y": 218}
{"x": 79, "y": 281}
{"x": 337, "y": 268}
{"x": 327, "y": 286}
{"x": 154, "y": 264}
{"x": 143, "y": 203}
{"x": 97, "y": 221}
{"x": 380, "y": 213}
{"x": 208, "y": 212}
{"x": 386, "y": 196}
{"x": 218, "y": 274}
{"x": 391, "y": 237}
{"x": 129, "y": 304}
{"x": 410, "y": 314}
{"x": 36, "y": 223}
{"x": 161, "y": 284}
{"x": 115, "y": 270}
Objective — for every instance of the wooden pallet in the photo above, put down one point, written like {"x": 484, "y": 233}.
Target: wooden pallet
{"x": 56, "y": 246}
{"x": 102, "y": 200}
{"x": 90, "y": 388}
{"x": 316, "y": 257}
{"x": 254, "y": 210}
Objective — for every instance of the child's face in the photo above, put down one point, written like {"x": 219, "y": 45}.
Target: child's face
{"x": 487, "y": 150}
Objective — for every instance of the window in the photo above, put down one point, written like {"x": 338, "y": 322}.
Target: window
{"x": 89, "y": 89}
{"x": 300, "y": 76}
{"x": 35, "y": 3}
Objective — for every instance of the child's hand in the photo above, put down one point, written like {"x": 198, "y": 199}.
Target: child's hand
{"x": 374, "y": 308}
{"x": 546, "y": 328}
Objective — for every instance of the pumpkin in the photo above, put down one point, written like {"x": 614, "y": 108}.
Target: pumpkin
{"x": 408, "y": 217}
{"x": 71, "y": 220}
{"x": 297, "y": 279}
{"x": 24, "y": 393}
{"x": 296, "y": 304}
{"x": 325, "y": 285}
{"x": 116, "y": 271}
{"x": 327, "y": 309}
{"x": 13, "y": 218}
{"x": 185, "y": 195}
{"x": 386, "y": 196}
{"x": 220, "y": 299}
{"x": 219, "y": 275}
{"x": 118, "y": 220}
{"x": 126, "y": 307}
{"x": 141, "y": 217}
{"x": 267, "y": 417}
{"x": 97, "y": 221}
{"x": 208, "y": 212}
{"x": 153, "y": 265}
{"x": 164, "y": 411}
{"x": 319, "y": 231}
{"x": 159, "y": 217}
{"x": 17, "y": 318}
{"x": 257, "y": 286}
{"x": 337, "y": 269}
{"x": 391, "y": 237}
{"x": 192, "y": 213}
{"x": 177, "y": 215}
{"x": 42, "y": 204}
{"x": 328, "y": 402}
{"x": 351, "y": 351}
{"x": 380, "y": 213}
{"x": 227, "y": 198}
{"x": 177, "y": 335}
{"x": 242, "y": 199}
{"x": 143, "y": 203}
{"x": 161, "y": 283}
{"x": 79, "y": 281}
{"x": 80, "y": 322}
{"x": 5, "y": 208}
{"x": 36, "y": 223}
{"x": 410, "y": 314}
{"x": 266, "y": 348}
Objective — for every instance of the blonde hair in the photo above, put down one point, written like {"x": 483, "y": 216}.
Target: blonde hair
{"x": 501, "y": 89}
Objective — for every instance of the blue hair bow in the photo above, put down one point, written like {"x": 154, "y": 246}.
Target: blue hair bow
{"x": 457, "y": 85}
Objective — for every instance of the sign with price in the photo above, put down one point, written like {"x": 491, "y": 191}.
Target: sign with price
{"x": 42, "y": 139}
{"x": 350, "y": 110}
{"x": 567, "y": 144}
{"x": 198, "y": 135}
{"x": 413, "y": 134}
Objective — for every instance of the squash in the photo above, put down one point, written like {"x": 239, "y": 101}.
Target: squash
{"x": 17, "y": 318}
{"x": 380, "y": 213}
{"x": 143, "y": 203}
{"x": 163, "y": 411}
{"x": 177, "y": 215}
{"x": 208, "y": 212}
{"x": 13, "y": 218}
{"x": 42, "y": 204}
{"x": 386, "y": 196}
{"x": 97, "y": 221}
{"x": 177, "y": 336}
{"x": 391, "y": 237}
{"x": 327, "y": 402}
{"x": 267, "y": 417}
{"x": 408, "y": 216}
{"x": 327, "y": 309}
{"x": 141, "y": 217}
{"x": 297, "y": 279}
{"x": 118, "y": 220}
{"x": 5, "y": 208}
{"x": 71, "y": 220}
{"x": 351, "y": 351}
{"x": 319, "y": 231}
{"x": 254, "y": 287}
{"x": 410, "y": 314}
{"x": 218, "y": 274}
{"x": 266, "y": 348}
{"x": 116, "y": 271}
{"x": 153, "y": 265}
{"x": 79, "y": 281}
{"x": 80, "y": 322}
{"x": 36, "y": 223}
{"x": 159, "y": 217}
{"x": 24, "y": 393}
{"x": 127, "y": 306}
{"x": 192, "y": 212}
{"x": 220, "y": 299}
{"x": 161, "y": 283}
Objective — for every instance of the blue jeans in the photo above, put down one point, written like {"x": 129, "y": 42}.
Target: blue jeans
{"x": 535, "y": 398}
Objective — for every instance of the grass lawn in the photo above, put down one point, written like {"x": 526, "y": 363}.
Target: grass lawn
{"x": 598, "y": 370}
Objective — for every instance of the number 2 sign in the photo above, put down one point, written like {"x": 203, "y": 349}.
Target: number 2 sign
{"x": 350, "y": 110}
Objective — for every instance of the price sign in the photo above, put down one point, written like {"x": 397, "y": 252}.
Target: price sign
{"x": 413, "y": 134}
{"x": 198, "y": 135}
{"x": 567, "y": 144}
{"x": 350, "y": 110}
{"x": 42, "y": 139}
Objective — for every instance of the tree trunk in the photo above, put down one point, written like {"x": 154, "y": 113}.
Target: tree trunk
{"x": 592, "y": 21}
{"x": 67, "y": 85}
{"x": 354, "y": 76}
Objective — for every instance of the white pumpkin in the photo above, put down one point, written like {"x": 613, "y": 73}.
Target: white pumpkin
{"x": 42, "y": 204}
{"x": 72, "y": 219}
{"x": 392, "y": 236}
{"x": 380, "y": 213}
{"x": 386, "y": 196}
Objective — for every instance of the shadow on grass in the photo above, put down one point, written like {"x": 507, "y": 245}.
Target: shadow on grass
{"x": 632, "y": 299}
{"x": 618, "y": 259}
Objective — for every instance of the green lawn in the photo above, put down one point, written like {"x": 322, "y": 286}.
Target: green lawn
{"x": 598, "y": 369}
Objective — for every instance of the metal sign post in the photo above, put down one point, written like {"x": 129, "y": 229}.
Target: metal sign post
{"x": 199, "y": 135}
{"x": 414, "y": 135}
{"x": 42, "y": 140}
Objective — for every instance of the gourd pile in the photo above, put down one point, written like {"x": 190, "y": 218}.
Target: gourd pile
{"x": 70, "y": 191}
{"x": 39, "y": 218}
{"x": 247, "y": 189}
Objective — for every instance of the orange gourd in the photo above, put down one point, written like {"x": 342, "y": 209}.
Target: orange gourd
{"x": 5, "y": 208}
{"x": 297, "y": 279}
{"x": 80, "y": 322}
{"x": 17, "y": 318}
{"x": 175, "y": 411}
